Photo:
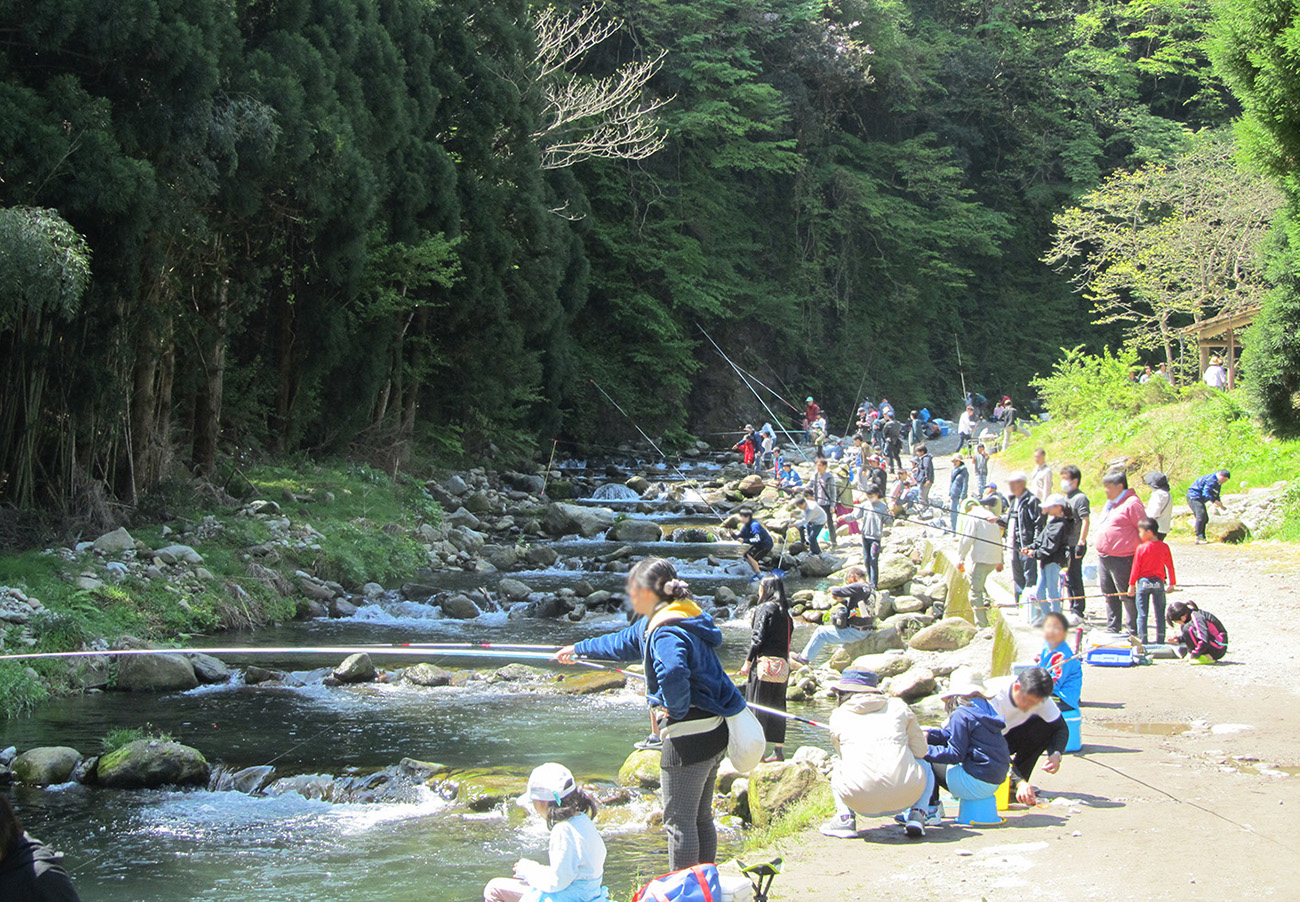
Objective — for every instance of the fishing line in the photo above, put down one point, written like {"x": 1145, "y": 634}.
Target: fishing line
{"x": 721, "y": 519}
{"x": 774, "y": 393}
{"x": 547, "y": 481}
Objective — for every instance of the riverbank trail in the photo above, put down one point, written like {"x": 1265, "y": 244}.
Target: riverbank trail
{"x": 1187, "y": 786}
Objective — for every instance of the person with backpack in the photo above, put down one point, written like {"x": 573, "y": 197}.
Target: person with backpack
{"x": 880, "y": 766}
{"x": 891, "y": 433}
{"x": 577, "y": 853}
{"x": 767, "y": 666}
{"x": 852, "y": 617}
{"x": 1203, "y": 491}
{"x": 1202, "y": 637}
{"x": 692, "y": 695}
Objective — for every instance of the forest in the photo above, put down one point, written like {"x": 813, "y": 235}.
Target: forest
{"x": 231, "y": 229}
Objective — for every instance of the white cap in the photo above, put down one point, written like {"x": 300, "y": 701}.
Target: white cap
{"x": 1056, "y": 499}
{"x": 1018, "y": 476}
{"x": 549, "y": 782}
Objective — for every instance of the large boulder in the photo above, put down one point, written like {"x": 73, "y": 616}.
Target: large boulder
{"x": 1228, "y": 530}
{"x": 425, "y": 674}
{"x": 948, "y": 634}
{"x": 459, "y": 607}
{"x": 895, "y": 570}
{"x": 178, "y": 554}
{"x": 486, "y": 790}
{"x": 880, "y": 641}
{"x": 914, "y": 685}
{"x": 882, "y": 665}
{"x": 150, "y": 763}
{"x": 908, "y": 604}
{"x": 154, "y": 673}
{"x": 503, "y": 557}
{"x": 564, "y": 519}
{"x": 818, "y": 566}
{"x": 751, "y": 486}
{"x": 356, "y": 668}
{"x": 115, "y": 542}
{"x": 774, "y": 788}
{"x": 638, "y": 484}
{"x": 209, "y": 669}
{"x": 46, "y": 766}
{"x": 461, "y": 517}
{"x": 514, "y": 590}
{"x": 640, "y": 770}
{"x": 591, "y": 683}
{"x": 634, "y": 530}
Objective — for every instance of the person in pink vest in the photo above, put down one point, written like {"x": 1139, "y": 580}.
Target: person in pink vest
{"x": 1117, "y": 543}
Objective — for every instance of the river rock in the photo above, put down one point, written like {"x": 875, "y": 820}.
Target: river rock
{"x": 1229, "y": 530}
{"x": 880, "y": 641}
{"x": 485, "y": 790}
{"x": 178, "y": 554}
{"x": 503, "y": 557}
{"x": 908, "y": 604}
{"x": 420, "y": 771}
{"x": 8, "y": 755}
{"x": 818, "y": 566}
{"x": 154, "y": 673}
{"x": 426, "y": 674}
{"x": 455, "y": 485}
{"x": 86, "y": 771}
{"x": 751, "y": 486}
{"x": 46, "y": 765}
{"x": 640, "y": 770}
{"x": 591, "y": 683}
{"x": 356, "y": 668}
{"x": 913, "y": 685}
{"x": 948, "y": 634}
{"x": 462, "y": 517}
{"x": 895, "y": 570}
{"x": 882, "y": 665}
{"x": 478, "y": 503}
{"x": 150, "y": 763}
{"x": 634, "y": 530}
{"x": 251, "y": 780}
{"x": 541, "y": 556}
{"x": 459, "y": 607}
{"x": 208, "y": 669}
{"x": 467, "y": 540}
{"x": 519, "y": 673}
{"x": 694, "y": 535}
{"x": 776, "y": 787}
{"x": 563, "y": 519}
{"x": 514, "y": 589}
{"x": 115, "y": 542}
{"x": 638, "y": 484}
{"x": 372, "y": 591}
{"x": 341, "y": 607}
{"x": 254, "y": 675}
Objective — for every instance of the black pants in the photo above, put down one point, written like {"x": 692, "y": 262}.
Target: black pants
{"x": 963, "y": 439}
{"x": 830, "y": 522}
{"x": 1202, "y": 514}
{"x": 1024, "y": 573}
{"x": 893, "y": 457}
{"x": 1027, "y": 743}
{"x": 1078, "y": 603}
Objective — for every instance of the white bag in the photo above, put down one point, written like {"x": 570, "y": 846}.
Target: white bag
{"x": 746, "y": 742}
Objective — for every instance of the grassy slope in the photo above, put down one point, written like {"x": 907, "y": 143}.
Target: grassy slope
{"x": 356, "y": 549}
{"x": 1185, "y": 439}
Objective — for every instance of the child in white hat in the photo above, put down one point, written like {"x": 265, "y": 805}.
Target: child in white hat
{"x": 577, "y": 853}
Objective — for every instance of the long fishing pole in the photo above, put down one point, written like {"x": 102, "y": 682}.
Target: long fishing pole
{"x": 774, "y": 417}
{"x": 288, "y": 651}
{"x": 767, "y": 388}
{"x": 609, "y": 398}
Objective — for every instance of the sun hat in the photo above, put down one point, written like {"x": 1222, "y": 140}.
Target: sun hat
{"x": 1056, "y": 499}
{"x": 965, "y": 682}
{"x": 548, "y": 782}
{"x": 857, "y": 681}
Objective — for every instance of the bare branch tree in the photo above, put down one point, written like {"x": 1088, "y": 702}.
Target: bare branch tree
{"x": 589, "y": 117}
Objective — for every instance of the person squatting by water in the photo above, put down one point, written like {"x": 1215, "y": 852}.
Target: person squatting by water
{"x": 576, "y": 863}
{"x": 690, "y": 692}
{"x": 853, "y": 616}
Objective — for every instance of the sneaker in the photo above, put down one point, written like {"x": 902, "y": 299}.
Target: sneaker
{"x": 651, "y": 743}
{"x": 841, "y": 827}
{"x": 934, "y": 818}
{"x": 800, "y": 660}
{"x": 915, "y": 824}
{"x": 756, "y": 577}
{"x": 1073, "y": 619}
{"x": 1202, "y": 659}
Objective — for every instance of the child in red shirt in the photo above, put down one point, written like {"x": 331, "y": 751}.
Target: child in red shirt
{"x": 1153, "y": 572}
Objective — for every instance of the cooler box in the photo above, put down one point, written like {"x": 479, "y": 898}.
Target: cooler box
{"x": 1110, "y": 657}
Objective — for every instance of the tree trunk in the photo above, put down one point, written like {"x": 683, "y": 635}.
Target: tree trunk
{"x": 207, "y": 408}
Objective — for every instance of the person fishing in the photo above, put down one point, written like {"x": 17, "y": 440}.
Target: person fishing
{"x": 758, "y": 541}
{"x": 748, "y": 447}
{"x": 691, "y": 693}
{"x": 767, "y": 666}
{"x": 811, "y": 413}
{"x": 576, "y": 853}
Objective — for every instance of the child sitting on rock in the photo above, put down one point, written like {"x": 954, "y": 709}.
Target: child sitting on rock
{"x": 1202, "y": 638}
{"x": 577, "y": 853}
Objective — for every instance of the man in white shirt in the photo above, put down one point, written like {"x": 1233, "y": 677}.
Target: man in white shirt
{"x": 979, "y": 539}
{"x": 965, "y": 427}
{"x": 1040, "y": 481}
{"x": 1215, "y": 375}
{"x": 1034, "y": 726}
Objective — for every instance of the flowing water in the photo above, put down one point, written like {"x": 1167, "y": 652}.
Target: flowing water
{"x": 231, "y": 847}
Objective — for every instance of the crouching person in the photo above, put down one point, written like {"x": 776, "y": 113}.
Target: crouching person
{"x": 880, "y": 769}
{"x": 577, "y": 853}
{"x": 969, "y": 754}
{"x": 1033, "y": 726}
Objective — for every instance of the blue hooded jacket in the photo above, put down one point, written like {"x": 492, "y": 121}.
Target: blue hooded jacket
{"x": 973, "y": 738}
{"x": 682, "y": 668}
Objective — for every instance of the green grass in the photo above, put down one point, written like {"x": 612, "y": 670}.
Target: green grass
{"x": 369, "y": 521}
{"x": 817, "y": 806}
{"x": 116, "y": 739}
{"x": 1203, "y": 431}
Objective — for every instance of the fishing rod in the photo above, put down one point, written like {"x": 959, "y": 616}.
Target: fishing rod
{"x": 414, "y": 651}
{"x": 774, "y": 417}
{"x": 768, "y": 388}
{"x": 721, "y": 519}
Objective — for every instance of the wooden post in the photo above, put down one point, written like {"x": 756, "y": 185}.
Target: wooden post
{"x": 1203, "y": 345}
{"x": 1232, "y": 359}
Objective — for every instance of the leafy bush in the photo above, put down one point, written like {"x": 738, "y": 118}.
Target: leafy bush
{"x": 19, "y": 689}
{"x": 1083, "y": 385}
{"x": 116, "y": 739}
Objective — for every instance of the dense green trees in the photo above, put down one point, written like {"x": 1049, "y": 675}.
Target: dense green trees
{"x": 331, "y": 224}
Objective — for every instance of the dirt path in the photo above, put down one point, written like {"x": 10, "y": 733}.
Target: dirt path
{"x": 1187, "y": 787}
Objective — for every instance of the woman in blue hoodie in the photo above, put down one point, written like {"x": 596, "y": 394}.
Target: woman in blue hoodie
{"x": 690, "y": 693}
{"x": 969, "y": 754}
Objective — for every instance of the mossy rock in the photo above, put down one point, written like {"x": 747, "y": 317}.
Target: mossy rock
{"x": 488, "y": 789}
{"x": 591, "y": 683}
{"x": 150, "y": 763}
{"x": 640, "y": 770}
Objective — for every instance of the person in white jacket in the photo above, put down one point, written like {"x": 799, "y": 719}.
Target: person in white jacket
{"x": 880, "y": 769}
{"x": 577, "y": 853}
{"x": 979, "y": 540}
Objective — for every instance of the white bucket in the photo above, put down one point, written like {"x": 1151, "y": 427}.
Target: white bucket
{"x": 736, "y": 889}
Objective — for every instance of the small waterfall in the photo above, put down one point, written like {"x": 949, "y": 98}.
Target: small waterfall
{"x": 614, "y": 492}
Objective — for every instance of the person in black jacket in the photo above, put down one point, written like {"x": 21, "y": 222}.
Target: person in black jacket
{"x": 891, "y": 432}
{"x": 1051, "y": 549}
{"x": 30, "y": 871}
{"x": 768, "y": 663}
{"x": 1023, "y": 521}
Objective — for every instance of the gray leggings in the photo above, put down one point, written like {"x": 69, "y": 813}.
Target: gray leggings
{"x": 688, "y": 813}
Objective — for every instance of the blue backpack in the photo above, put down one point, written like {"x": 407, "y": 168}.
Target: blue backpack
{"x": 697, "y": 884}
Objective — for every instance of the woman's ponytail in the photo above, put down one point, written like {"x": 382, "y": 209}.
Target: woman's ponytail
{"x": 660, "y": 577}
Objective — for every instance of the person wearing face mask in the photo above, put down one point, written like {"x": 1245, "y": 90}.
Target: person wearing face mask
{"x": 690, "y": 693}
{"x": 1080, "y": 520}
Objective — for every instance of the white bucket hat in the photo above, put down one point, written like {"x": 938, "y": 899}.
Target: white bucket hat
{"x": 963, "y": 683}
{"x": 549, "y": 782}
